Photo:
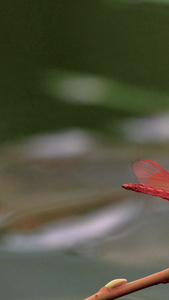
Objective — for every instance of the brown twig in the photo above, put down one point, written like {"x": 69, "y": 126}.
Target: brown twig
{"x": 106, "y": 293}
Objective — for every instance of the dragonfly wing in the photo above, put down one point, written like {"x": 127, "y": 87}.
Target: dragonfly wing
{"x": 150, "y": 173}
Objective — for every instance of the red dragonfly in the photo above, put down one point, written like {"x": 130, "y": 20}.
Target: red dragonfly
{"x": 154, "y": 179}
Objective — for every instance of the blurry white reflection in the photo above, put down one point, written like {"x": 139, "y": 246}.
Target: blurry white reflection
{"x": 92, "y": 89}
{"x": 74, "y": 87}
{"x": 83, "y": 89}
{"x": 129, "y": 233}
{"x": 67, "y": 233}
{"x": 147, "y": 129}
{"x": 66, "y": 143}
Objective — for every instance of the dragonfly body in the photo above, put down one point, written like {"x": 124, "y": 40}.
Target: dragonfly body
{"x": 154, "y": 179}
{"x": 146, "y": 189}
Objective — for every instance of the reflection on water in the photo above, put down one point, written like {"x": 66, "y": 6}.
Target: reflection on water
{"x": 152, "y": 129}
{"x": 91, "y": 233}
{"x": 133, "y": 246}
{"x": 67, "y": 219}
{"x": 130, "y": 233}
{"x": 75, "y": 87}
{"x": 84, "y": 88}
{"x": 80, "y": 231}
{"x": 62, "y": 144}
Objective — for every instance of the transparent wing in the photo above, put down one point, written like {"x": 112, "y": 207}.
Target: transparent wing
{"x": 150, "y": 173}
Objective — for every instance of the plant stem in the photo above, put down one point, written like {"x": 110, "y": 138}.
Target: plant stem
{"x": 106, "y": 293}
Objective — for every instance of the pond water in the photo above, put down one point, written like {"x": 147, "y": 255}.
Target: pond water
{"x": 128, "y": 249}
{"x": 68, "y": 228}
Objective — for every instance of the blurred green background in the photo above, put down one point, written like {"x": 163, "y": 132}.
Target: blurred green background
{"x": 89, "y": 80}
{"x": 125, "y": 42}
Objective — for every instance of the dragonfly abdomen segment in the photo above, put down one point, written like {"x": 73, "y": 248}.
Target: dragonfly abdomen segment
{"x": 145, "y": 189}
